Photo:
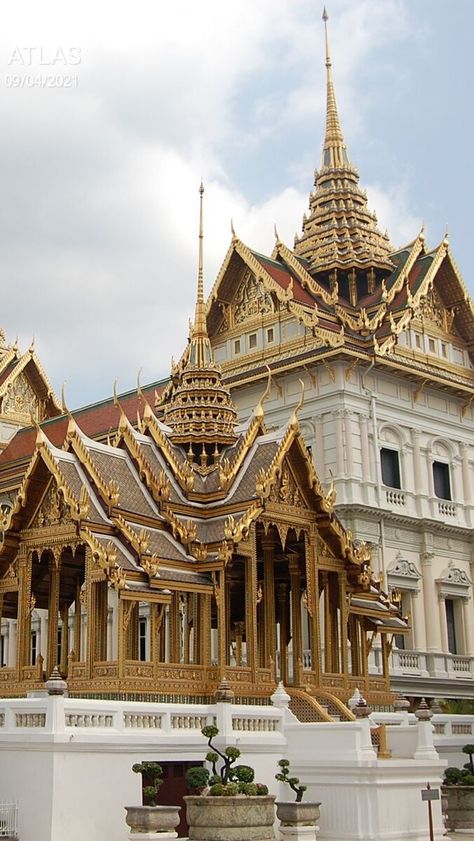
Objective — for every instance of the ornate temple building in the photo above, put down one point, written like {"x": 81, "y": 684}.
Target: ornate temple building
{"x": 152, "y": 556}
{"x": 186, "y": 550}
{"x": 383, "y": 339}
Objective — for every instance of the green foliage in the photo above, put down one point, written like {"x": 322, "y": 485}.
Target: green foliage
{"x": 152, "y": 778}
{"x": 229, "y": 779}
{"x": 230, "y": 790}
{"x": 283, "y": 776}
{"x": 457, "y": 706}
{"x": 243, "y": 773}
{"x": 197, "y": 779}
{"x": 461, "y": 776}
{"x": 217, "y": 790}
{"x": 250, "y": 789}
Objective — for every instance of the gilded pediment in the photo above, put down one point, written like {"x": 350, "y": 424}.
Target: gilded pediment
{"x": 252, "y": 301}
{"x": 20, "y": 400}
{"x": 433, "y": 313}
{"x": 52, "y": 511}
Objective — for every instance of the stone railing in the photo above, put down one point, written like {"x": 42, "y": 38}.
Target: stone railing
{"x": 447, "y": 509}
{"x": 397, "y": 498}
{"x": 431, "y": 664}
{"x": 125, "y": 718}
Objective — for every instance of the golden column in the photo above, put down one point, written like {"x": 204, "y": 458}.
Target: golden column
{"x": 295, "y": 584}
{"x": 64, "y": 637}
{"x": 219, "y": 595}
{"x": 312, "y": 587}
{"x": 204, "y": 623}
{"x": 327, "y": 622}
{"x": 24, "y": 610}
{"x": 54, "y": 567}
{"x": 333, "y": 618}
{"x": 343, "y": 622}
{"x": 251, "y": 605}
{"x": 77, "y": 620}
{"x": 282, "y": 595}
{"x": 268, "y": 546}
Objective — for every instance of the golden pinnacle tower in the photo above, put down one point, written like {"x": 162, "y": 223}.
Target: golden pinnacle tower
{"x": 340, "y": 234}
{"x": 200, "y": 411}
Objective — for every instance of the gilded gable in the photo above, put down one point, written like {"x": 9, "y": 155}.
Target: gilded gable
{"x": 433, "y": 313}
{"x": 252, "y": 300}
{"x": 52, "y": 511}
{"x": 20, "y": 401}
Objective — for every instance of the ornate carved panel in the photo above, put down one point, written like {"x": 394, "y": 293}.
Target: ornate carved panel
{"x": 433, "y": 312}
{"x": 286, "y": 490}
{"x": 252, "y": 300}
{"x": 53, "y": 509}
{"x": 20, "y": 399}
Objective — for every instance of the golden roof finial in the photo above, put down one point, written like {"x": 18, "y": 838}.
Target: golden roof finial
{"x": 334, "y": 149}
{"x": 200, "y": 317}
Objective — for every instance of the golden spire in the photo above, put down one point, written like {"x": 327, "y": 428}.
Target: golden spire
{"x": 200, "y": 411}
{"x": 334, "y": 149}
{"x": 200, "y": 316}
{"x": 340, "y": 232}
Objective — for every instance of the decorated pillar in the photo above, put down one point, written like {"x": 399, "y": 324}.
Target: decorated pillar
{"x": 77, "y": 621}
{"x": 64, "y": 638}
{"x": 339, "y": 443}
{"x": 417, "y": 469}
{"x": 204, "y": 619}
{"x": 268, "y": 546}
{"x": 364, "y": 447}
{"x": 443, "y": 623}
{"x": 466, "y": 478}
{"x": 54, "y": 567}
{"x": 312, "y": 601}
{"x": 295, "y": 584}
{"x": 23, "y": 567}
{"x": 251, "y": 604}
{"x": 468, "y": 625}
{"x": 433, "y": 637}
{"x": 327, "y": 621}
{"x": 282, "y": 596}
{"x": 343, "y": 622}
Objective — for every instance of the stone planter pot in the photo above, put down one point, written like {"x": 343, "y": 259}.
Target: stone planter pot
{"x": 239, "y": 818}
{"x": 148, "y": 819}
{"x": 298, "y": 821}
{"x": 459, "y": 806}
{"x": 291, "y": 813}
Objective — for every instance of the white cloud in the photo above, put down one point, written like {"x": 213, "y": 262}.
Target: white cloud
{"x": 98, "y": 219}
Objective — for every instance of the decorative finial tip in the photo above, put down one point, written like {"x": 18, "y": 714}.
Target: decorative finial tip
{"x": 325, "y": 15}
{"x": 201, "y": 187}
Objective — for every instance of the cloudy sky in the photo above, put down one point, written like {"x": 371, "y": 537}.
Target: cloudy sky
{"x": 112, "y": 112}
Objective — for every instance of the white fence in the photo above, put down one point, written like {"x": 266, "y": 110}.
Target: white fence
{"x": 8, "y": 820}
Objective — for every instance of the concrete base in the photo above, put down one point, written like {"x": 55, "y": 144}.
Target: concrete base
{"x": 153, "y": 836}
{"x": 298, "y": 833}
{"x": 461, "y": 835}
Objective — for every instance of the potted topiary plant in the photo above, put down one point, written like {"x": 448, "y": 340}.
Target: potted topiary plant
{"x": 458, "y": 794}
{"x": 150, "y": 817}
{"x": 294, "y": 813}
{"x": 230, "y": 804}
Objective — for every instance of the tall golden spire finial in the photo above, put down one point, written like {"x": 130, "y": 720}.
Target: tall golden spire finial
{"x": 334, "y": 149}
{"x": 200, "y": 317}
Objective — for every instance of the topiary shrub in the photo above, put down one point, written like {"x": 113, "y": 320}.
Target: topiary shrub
{"x": 227, "y": 780}
{"x": 197, "y": 779}
{"x": 283, "y": 776}
{"x": 152, "y": 778}
{"x": 461, "y": 776}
